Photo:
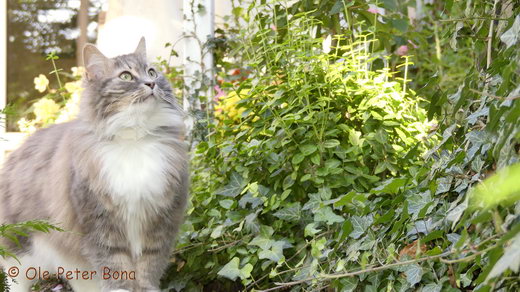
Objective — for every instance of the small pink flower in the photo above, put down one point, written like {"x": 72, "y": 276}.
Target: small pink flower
{"x": 402, "y": 50}
{"x": 273, "y": 27}
{"x": 219, "y": 94}
{"x": 373, "y": 10}
{"x": 58, "y": 287}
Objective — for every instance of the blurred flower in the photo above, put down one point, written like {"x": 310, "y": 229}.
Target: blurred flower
{"x": 326, "y": 44}
{"x": 58, "y": 287}
{"x": 26, "y": 126}
{"x": 227, "y": 106}
{"x": 402, "y": 50}
{"x": 41, "y": 82}
{"x": 45, "y": 110}
{"x": 219, "y": 94}
{"x": 273, "y": 27}
{"x": 375, "y": 9}
{"x": 73, "y": 86}
{"x": 77, "y": 71}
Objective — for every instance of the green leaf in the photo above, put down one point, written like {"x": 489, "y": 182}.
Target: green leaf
{"x": 217, "y": 232}
{"x": 355, "y": 137}
{"x": 262, "y": 242}
{"x": 360, "y": 225}
{"x": 390, "y": 186}
{"x": 298, "y": 158}
{"x": 310, "y": 230}
{"x": 245, "y": 272}
{"x": 331, "y": 143}
{"x": 336, "y": 8}
{"x": 233, "y": 188}
{"x": 326, "y": 214}
{"x": 500, "y": 188}
{"x": 275, "y": 253}
{"x": 308, "y": 149}
{"x": 413, "y": 274}
{"x": 432, "y": 287}
{"x": 417, "y": 202}
{"x": 231, "y": 270}
{"x": 226, "y": 204}
{"x": 290, "y": 213}
{"x": 510, "y": 259}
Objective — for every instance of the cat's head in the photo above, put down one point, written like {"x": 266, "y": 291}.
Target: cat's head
{"x": 126, "y": 91}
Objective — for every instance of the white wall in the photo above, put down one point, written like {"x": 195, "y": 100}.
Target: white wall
{"x": 159, "y": 21}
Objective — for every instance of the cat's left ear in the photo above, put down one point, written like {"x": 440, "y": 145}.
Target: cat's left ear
{"x": 141, "y": 49}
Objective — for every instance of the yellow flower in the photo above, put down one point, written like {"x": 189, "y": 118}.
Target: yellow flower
{"x": 26, "y": 126}
{"x": 77, "y": 71}
{"x": 41, "y": 82}
{"x": 73, "y": 86}
{"x": 45, "y": 110}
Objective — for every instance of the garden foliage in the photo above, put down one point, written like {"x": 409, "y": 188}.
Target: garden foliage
{"x": 323, "y": 169}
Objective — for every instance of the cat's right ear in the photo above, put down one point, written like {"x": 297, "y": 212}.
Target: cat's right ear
{"x": 96, "y": 64}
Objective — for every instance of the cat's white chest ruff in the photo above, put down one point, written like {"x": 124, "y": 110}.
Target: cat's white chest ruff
{"x": 135, "y": 169}
{"x": 135, "y": 172}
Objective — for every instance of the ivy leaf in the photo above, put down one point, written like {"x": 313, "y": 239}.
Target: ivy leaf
{"x": 455, "y": 214}
{"x": 290, "y": 213}
{"x": 310, "y": 229}
{"x": 275, "y": 253}
{"x": 226, "y": 204}
{"x": 326, "y": 214}
{"x": 510, "y": 37}
{"x": 246, "y": 270}
{"x": 233, "y": 188}
{"x": 417, "y": 202}
{"x": 262, "y": 242}
{"x": 231, "y": 270}
{"x": 217, "y": 232}
{"x": 390, "y": 186}
{"x": 413, "y": 274}
{"x": 360, "y": 225}
{"x": 510, "y": 259}
{"x": 432, "y": 287}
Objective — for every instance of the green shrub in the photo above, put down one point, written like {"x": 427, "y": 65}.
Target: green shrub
{"x": 277, "y": 192}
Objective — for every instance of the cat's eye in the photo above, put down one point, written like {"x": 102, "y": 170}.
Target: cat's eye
{"x": 152, "y": 73}
{"x": 126, "y": 76}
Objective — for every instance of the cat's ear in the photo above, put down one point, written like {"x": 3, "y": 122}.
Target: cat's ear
{"x": 96, "y": 64}
{"x": 141, "y": 49}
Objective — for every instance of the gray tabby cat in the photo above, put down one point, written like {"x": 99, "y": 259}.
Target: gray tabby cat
{"x": 116, "y": 178}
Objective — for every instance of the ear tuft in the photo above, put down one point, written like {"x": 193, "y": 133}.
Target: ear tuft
{"x": 141, "y": 48}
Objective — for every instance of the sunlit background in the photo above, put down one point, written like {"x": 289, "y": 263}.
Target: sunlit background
{"x": 37, "y": 28}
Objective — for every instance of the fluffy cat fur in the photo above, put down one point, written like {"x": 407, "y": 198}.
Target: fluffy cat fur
{"x": 116, "y": 179}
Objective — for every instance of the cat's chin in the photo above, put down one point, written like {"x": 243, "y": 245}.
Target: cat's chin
{"x": 144, "y": 118}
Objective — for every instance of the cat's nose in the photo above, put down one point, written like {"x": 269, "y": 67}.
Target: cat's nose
{"x": 150, "y": 84}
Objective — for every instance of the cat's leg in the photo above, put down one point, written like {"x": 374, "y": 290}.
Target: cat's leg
{"x": 150, "y": 266}
{"x": 109, "y": 263}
